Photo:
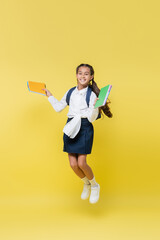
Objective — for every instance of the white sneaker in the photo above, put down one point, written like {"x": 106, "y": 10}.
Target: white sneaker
{"x": 86, "y": 191}
{"x": 94, "y": 197}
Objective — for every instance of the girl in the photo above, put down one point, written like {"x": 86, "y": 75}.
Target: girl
{"x": 78, "y": 131}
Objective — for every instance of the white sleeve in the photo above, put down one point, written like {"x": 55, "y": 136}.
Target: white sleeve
{"x": 92, "y": 113}
{"x": 58, "y": 105}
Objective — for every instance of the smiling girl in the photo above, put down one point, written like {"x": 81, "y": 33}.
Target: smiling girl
{"x": 78, "y": 131}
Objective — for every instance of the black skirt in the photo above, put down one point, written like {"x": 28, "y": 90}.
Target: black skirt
{"x": 82, "y": 143}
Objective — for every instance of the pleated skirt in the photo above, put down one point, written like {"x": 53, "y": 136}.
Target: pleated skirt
{"x": 83, "y": 141}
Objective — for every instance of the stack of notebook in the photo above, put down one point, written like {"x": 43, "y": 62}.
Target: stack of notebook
{"x": 36, "y": 87}
{"x": 103, "y": 95}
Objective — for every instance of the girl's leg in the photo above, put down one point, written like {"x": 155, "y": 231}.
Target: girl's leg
{"x": 73, "y": 158}
{"x": 95, "y": 188}
{"x": 74, "y": 165}
{"x": 82, "y": 164}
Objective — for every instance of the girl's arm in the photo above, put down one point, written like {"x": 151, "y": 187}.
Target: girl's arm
{"x": 57, "y": 105}
{"x": 92, "y": 113}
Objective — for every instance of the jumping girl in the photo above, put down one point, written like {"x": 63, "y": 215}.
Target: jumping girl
{"x": 78, "y": 131}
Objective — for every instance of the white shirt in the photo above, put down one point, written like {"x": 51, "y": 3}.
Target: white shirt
{"x": 78, "y": 109}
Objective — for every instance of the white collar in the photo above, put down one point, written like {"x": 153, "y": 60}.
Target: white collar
{"x": 82, "y": 91}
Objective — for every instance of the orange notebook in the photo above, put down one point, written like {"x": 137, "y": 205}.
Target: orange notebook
{"x": 36, "y": 87}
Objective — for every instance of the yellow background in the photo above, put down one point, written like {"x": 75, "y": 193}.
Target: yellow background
{"x": 45, "y": 41}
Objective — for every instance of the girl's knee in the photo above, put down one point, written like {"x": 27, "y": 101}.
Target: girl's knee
{"x": 74, "y": 164}
{"x": 82, "y": 161}
{"x": 82, "y": 164}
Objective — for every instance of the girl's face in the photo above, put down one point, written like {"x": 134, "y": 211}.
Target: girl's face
{"x": 84, "y": 76}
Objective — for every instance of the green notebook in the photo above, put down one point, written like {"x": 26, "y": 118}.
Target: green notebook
{"x": 103, "y": 95}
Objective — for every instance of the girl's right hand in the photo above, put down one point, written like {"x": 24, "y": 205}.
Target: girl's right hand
{"x": 95, "y": 101}
{"x": 48, "y": 93}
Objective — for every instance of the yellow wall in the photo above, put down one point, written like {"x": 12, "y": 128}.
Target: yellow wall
{"x": 45, "y": 41}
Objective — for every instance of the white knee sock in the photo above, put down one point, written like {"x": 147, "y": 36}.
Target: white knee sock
{"x": 93, "y": 182}
{"x": 85, "y": 180}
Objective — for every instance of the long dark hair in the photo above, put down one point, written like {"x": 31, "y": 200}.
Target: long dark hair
{"x": 105, "y": 109}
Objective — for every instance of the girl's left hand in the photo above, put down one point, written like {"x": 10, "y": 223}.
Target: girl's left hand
{"x": 95, "y": 101}
{"x": 48, "y": 93}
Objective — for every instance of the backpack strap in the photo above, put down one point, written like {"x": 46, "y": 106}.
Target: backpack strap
{"x": 69, "y": 95}
{"x": 88, "y": 95}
